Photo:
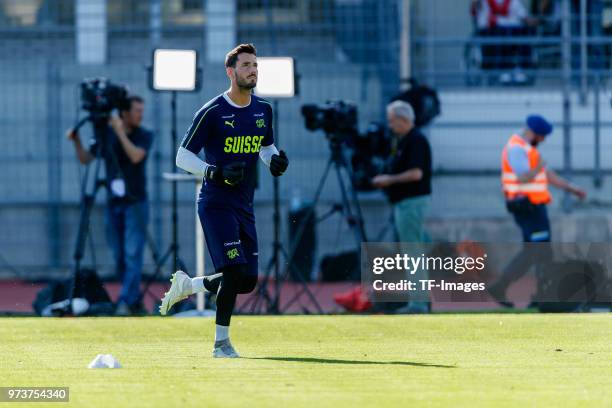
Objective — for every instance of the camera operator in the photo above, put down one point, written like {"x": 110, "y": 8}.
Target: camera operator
{"x": 127, "y": 212}
{"x": 408, "y": 184}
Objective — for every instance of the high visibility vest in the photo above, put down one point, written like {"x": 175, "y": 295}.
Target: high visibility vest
{"x": 535, "y": 190}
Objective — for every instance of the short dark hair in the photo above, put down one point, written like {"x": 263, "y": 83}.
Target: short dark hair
{"x": 232, "y": 57}
{"x": 129, "y": 101}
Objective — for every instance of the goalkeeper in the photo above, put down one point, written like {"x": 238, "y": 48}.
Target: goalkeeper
{"x": 234, "y": 129}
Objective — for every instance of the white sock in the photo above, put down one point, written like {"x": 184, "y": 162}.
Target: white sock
{"x": 197, "y": 285}
{"x": 221, "y": 333}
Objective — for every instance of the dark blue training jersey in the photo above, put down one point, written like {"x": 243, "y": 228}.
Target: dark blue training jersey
{"x": 227, "y": 134}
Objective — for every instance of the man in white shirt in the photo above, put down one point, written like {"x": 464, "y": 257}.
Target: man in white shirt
{"x": 504, "y": 18}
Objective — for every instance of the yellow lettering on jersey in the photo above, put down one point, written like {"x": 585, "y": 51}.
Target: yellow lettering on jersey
{"x": 247, "y": 144}
{"x": 243, "y": 144}
{"x": 256, "y": 143}
{"x": 236, "y": 146}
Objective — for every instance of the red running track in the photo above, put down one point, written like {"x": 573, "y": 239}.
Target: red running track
{"x": 17, "y": 296}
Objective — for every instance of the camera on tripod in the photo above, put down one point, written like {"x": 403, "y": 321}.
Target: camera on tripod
{"x": 338, "y": 119}
{"x": 368, "y": 152}
{"x": 99, "y": 96}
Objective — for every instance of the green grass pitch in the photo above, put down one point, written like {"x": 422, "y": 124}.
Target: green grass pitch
{"x": 496, "y": 360}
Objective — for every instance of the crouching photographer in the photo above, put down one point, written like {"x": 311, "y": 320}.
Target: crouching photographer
{"x": 407, "y": 183}
{"x": 124, "y": 149}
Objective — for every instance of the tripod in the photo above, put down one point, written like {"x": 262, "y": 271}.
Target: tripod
{"x": 90, "y": 189}
{"x": 173, "y": 249}
{"x": 349, "y": 207}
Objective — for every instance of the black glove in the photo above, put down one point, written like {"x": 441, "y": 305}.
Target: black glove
{"x": 230, "y": 174}
{"x": 279, "y": 163}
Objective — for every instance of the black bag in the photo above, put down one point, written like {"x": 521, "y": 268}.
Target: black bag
{"x": 87, "y": 285}
{"x": 340, "y": 267}
{"x": 424, "y": 101}
{"x": 52, "y": 293}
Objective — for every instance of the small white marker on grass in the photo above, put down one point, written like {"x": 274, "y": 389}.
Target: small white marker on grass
{"x": 104, "y": 361}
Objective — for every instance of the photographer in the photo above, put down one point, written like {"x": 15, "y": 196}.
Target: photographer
{"x": 124, "y": 152}
{"x": 408, "y": 184}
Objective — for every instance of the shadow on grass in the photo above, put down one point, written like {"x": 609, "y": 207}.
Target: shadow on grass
{"x": 337, "y": 361}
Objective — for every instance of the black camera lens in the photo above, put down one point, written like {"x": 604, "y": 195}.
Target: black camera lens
{"x": 100, "y": 96}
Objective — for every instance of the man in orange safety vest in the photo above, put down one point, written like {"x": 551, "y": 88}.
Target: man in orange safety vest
{"x": 525, "y": 179}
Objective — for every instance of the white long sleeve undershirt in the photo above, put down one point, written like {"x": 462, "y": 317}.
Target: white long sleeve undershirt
{"x": 191, "y": 163}
{"x": 266, "y": 153}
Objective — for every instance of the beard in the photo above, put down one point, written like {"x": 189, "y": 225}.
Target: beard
{"x": 246, "y": 83}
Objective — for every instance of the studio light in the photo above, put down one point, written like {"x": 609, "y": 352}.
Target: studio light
{"x": 175, "y": 70}
{"x": 276, "y": 77}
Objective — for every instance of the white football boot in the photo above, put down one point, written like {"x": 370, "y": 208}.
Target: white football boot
{"x": 180, "y": 289}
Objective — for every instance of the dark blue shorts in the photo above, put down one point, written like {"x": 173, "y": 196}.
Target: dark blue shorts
{"x": 230, "y": 235}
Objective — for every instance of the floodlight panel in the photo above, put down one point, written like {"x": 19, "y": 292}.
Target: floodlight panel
{"x": 174, "y": 70}
{"x": 276, "y": 77}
